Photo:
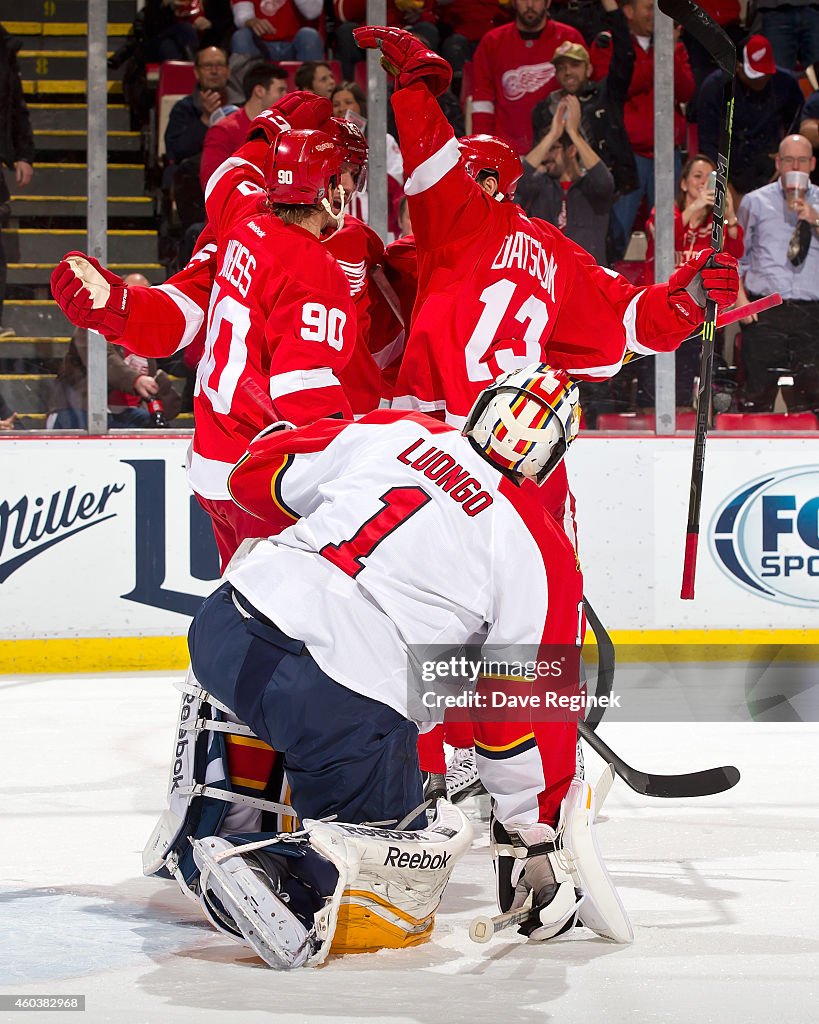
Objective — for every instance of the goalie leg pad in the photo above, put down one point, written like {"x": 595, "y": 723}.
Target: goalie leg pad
{"x": 200, "y": 793}
{"x": 394, "y": 879}
{"x": 602, "y": 909}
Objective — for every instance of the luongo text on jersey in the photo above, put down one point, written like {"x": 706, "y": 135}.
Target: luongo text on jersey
{"x": 527, "y": 253}
{"x": 450, "y": 476}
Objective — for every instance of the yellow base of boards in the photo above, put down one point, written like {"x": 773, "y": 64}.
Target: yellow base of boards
{"x": 62, "y": 655}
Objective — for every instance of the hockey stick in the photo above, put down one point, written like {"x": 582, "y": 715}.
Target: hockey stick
{"x": 692, "y": 784}
{"x": 605, "y": 664}
{"x": 720, "y": 47}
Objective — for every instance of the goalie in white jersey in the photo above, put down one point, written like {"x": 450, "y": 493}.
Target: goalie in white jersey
{"x": 406, "y": 534}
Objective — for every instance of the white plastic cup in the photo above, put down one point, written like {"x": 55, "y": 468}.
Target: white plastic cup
{"x": 795, "y": 184}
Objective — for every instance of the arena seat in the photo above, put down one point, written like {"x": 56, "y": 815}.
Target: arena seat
{"x": 625, "y": 421}
{"x": 620, "y": 421}
{"x": 773, "y": 421}
{"x": 177, "y": 79}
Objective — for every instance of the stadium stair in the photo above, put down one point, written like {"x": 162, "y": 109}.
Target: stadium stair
{"x": 49, "y": 216}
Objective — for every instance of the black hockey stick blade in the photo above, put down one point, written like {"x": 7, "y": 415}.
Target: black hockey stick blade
{"x": 705, "y": 30}
{"x": 669, "y": 787}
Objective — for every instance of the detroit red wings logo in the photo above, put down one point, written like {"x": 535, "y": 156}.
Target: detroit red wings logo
{"x": 270, "y": 7}
{"x": 356, "y": 274}
{"x": 517, "y": 82}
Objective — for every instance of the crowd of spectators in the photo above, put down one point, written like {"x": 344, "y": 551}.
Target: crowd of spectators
{"x": 570, "y": 85}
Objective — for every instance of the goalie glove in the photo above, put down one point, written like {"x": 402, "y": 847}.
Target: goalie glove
{"x": 708, "y": 275}
{"x": 528, "y": 862}
{"x": 90, "y": 296}
{"x": 405, "y": 58}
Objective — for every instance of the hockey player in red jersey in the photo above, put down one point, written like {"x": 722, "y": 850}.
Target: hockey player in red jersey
{"x": 496, "y": 289}
{"x": 398, "y": 496}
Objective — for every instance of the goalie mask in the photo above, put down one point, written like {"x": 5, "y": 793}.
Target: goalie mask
{"x": 486, "y": 153}
{"x": 524, "y": 422}
{"x": 301, "y": 168}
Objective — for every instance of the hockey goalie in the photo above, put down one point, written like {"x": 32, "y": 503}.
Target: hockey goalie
{"x": 405, "y": 533}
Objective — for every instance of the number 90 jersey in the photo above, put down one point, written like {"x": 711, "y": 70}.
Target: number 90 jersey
{"x": 280, "y": 327}
{"x": 404, "y": 537}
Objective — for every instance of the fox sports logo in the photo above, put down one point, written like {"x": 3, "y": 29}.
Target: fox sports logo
{"x": 765, "y": 536}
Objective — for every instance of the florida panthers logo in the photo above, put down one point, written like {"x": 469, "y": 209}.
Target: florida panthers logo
{"x": 517, "y": 82}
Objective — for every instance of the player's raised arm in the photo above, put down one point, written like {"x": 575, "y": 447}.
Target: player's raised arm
{"x": 440, "y": 192}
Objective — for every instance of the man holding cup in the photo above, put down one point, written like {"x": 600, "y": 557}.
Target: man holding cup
{"x": 780, "y": 222}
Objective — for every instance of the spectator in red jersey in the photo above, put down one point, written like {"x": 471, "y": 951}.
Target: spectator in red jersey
{"x": 638, "y": 115}
{"x": 693, "y": 222}
{"x": 417, "y": 15}
{"x": 467, "y": 22}
{"x": 264, "y": 86}
{"x": 694, "y": 217}
{"x": 316, "y": 76}
{"x": 277, "y": 29}
{"x": 514, "y": 72}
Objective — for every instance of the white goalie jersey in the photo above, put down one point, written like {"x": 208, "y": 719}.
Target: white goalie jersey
{"x": 403, "y": 538}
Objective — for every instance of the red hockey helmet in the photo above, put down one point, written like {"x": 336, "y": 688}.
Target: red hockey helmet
{"x": 301, "y": 167}
{"x": 486, "y": 153}
{"x": 353, "y": 145}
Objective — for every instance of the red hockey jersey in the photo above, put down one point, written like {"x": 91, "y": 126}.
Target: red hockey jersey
{"x": 280, "y": 326}
{"x": 488, "y": 274}
{"x": 512, "y": 75}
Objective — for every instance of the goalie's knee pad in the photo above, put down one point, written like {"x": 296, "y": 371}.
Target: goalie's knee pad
{"x": 602, "y": 909}
{"x": 335, "y": 887}
{"x": 202, "y": 800}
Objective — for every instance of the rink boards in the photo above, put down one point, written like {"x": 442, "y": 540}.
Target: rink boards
{"x": 105, "y": 555}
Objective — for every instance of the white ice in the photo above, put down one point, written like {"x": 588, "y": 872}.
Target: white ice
{"x": 722, "y": 891}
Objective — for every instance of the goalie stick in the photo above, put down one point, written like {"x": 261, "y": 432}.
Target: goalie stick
{"x": 719, "y": 46}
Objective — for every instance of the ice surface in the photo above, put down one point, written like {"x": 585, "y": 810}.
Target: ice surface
{"x": 722, "y": 891}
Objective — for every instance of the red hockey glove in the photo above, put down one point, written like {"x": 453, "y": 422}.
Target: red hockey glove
{"x": 304, "y": 110}
{"x": 405, "y": 57}
{"x": 89, "y": 295}
{"x": 708, "y": 275}
{"x": 268, "y": 126}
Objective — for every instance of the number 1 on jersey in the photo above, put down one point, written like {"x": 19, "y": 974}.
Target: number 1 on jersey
{"x": 399, "y": 504}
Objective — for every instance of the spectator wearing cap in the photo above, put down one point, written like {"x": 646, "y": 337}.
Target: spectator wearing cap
{"x": 638, "y": 115}
{"x": 264, "y": 85}
{"x": 277, "y": 29}
{"x": 601, "y": 103}
{"x": 782, "y": 255}
{"x": 793, "y": 29}
{"x": 766, "y": 102}
{"x": 567, "y": 184}
{"x": 514, "y": 72}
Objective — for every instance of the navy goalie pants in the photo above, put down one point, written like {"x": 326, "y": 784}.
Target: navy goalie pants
{"x": 345, "y": 754}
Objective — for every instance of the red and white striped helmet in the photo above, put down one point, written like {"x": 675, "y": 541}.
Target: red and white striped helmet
{"x": 525, "y": 420}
